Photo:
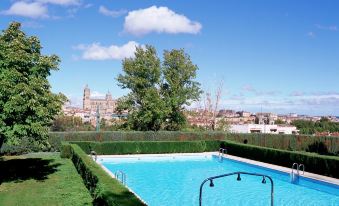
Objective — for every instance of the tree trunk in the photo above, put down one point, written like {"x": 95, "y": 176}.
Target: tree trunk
{"x": 2, "y": 139}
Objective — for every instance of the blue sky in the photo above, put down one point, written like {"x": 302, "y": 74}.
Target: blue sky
{"x": 279, "y": 56}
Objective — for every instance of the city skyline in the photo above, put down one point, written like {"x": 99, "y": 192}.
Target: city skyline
{"x": 277, "y": 57}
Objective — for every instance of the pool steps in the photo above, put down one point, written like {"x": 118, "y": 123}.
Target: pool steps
{"x": 295, "y": 175}
{"x": 121, "y": 176}
{"x": 222, "y": 153}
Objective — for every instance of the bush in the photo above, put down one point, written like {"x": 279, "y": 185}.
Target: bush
{"x": 322, "y": 145}
{"x": 55, "y": 138}
{"x": 26, "y": 145}
{"x": 104, "y": 189}
{"x": 319, "y": 164}
{"x": 66, "y": 150}
{"x": 148, "y": 147}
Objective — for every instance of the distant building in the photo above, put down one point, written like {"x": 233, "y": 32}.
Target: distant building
{"x": 263, "y": 128}
{"x": 244, "y": 114}
{"x": 293, "y": 115}
{"x": 106, "y": 105}
{"x": 77, "y": 112}
{"x": 227, "y": 113}
{"x": 266, "y": 118}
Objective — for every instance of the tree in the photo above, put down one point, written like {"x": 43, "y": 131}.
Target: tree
{"x": 27, "y": 105}
{"x": 179, "y": 88}
{"x": 222, "y": 125}
{"x": 142, "y": 76}
{"x": 280, "y": 121}
{"x": 310, "y": 127}
{"x": 70, "y": 123}
{"x": 209, "y": 112}
{"x": 158, "y": 93}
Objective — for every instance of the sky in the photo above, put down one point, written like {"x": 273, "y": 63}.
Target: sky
{"x": 270, "y": 56}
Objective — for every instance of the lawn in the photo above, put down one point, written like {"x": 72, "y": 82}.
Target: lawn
{"x": 41, "y": 179}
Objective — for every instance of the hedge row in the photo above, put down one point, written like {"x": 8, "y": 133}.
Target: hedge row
{"x": 105, "y": 190}
{"x": 319, "y": 164}
{"x": 321, "y": 145}
{"x": 315, "y": 163}
{"x": 148, "y": 147}
{"x": 55, "y": 138}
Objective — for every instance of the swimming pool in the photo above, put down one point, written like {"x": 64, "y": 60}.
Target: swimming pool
{"x": 175, "y": 180}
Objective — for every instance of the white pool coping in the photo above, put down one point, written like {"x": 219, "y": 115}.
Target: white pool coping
{"x": 240, "y": 159}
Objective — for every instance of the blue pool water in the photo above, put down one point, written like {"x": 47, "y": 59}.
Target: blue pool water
{"x": 175, "y": 181}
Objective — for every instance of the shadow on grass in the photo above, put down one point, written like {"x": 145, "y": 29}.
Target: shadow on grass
{"x": 125, "y": 198}
{"x": 17, "y": 170}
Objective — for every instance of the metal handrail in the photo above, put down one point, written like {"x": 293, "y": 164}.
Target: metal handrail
{"x": 93, "y": 153}
{"x": 222, "y": 152}
{"x": 302, "y": 165}
{"x": 123, "y": 176}
{"x": 296, "y": 168}
{"x": 236, "y": 173}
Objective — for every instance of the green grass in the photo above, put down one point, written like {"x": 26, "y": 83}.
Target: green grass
{"x": 41, "y": 179}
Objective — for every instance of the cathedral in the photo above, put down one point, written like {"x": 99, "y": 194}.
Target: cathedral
{"x": 106, "y": 105}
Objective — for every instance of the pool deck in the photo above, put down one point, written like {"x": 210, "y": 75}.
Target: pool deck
{"x": 240, "y": 159}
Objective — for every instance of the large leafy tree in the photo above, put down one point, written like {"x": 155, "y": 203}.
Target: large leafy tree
{"x": 142, "y": 76}
{"x": 179, "y": 88}
{"x": 27, "y": 105}
{"x": 158, "y": 92}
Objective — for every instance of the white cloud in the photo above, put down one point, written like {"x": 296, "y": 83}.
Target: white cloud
{"x": 330, "y": 28}
{"x": 103, "y": 10}
{"x": 160, "y": 20}
{"x": 31, "y": 24}
{"x": 86, "y": 6}
{"x": 27, "y": 9}
{"x": 311, "y": 34}
{"x": 97, "y": 52}
{"x": 297, "y": 93}
{"x": 74, "y": 100}
{"x": 248, "y": 88}
{"x": 61, "y": 2}
{"x": 251, "y": 89}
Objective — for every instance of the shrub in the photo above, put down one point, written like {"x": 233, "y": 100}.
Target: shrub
{"x": 26, "y": 145}
{"x": 66, "y": 150}
{"x": 55, "y": 138}
{"x": 322, "y": 145}
{"x": 319, "y": 164}
{"x": 104, "y": 189}
{"x": 148, "y": 147}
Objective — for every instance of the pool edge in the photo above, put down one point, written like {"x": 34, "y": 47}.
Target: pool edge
{"x": 113, "y": 176}
{"x": 312, "y": 176}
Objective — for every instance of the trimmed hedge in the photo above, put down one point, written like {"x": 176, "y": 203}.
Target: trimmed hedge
{"x": 105, "y": 190}
{"x": 326, "y": 145}
{"x": 319, "y": 164}
{"x": 55, "y": 138}
{"x": 66, "y": 150}
{"x": 148, "y": 147}
{"x": 315, "y": 163}
{"x": 321, "y": 145}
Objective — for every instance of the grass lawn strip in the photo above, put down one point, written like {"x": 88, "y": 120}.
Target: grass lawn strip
{"x": 41, "y": 179}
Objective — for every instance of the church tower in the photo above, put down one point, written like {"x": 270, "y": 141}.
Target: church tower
{"x": 109, "y": 96}
{"x": 86, "y": 98}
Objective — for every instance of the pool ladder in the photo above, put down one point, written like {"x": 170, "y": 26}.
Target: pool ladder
{"x": 222, "y": 153}
{"x": 295, "y": 175}
{"x": 94, "y": 155}
{"x": 121, "y": 176}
